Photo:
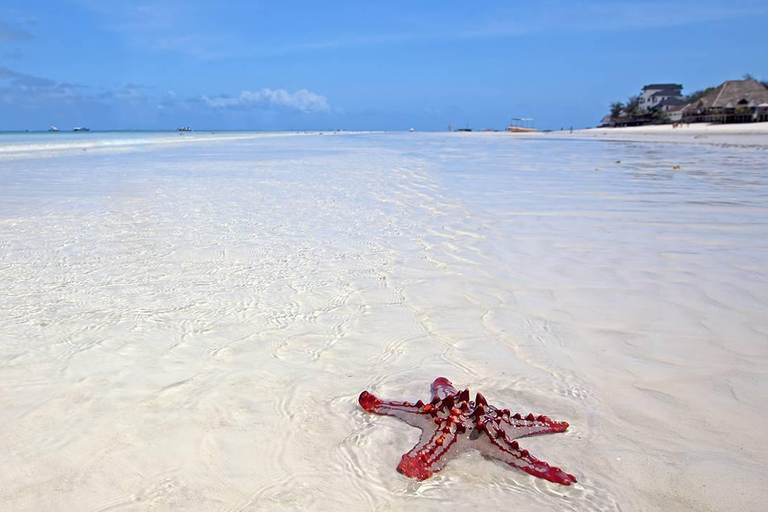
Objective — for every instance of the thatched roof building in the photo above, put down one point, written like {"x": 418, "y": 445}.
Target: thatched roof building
{"x": 730, "y": 102}
{"x": 734, "y": 93}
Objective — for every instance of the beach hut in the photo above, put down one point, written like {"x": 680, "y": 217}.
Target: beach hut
{"x": 607, "y": 122}
{"x": 734, "y": 101}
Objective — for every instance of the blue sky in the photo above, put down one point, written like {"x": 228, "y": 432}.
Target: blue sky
{"x": 237, "y": 64}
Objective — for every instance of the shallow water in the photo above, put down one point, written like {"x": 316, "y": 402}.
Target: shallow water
{"x": 188, "y": 325}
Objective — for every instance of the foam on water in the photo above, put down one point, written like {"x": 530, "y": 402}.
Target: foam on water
{"x": 188, "y": 327}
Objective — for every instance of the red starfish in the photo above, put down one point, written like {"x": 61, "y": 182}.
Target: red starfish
{"x": 451, "y": 418}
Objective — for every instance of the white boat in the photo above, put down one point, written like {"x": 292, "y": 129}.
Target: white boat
{"x": 184, "y": 129}
{"x": 53, "y": 129}
{"x": 81, "y": 129}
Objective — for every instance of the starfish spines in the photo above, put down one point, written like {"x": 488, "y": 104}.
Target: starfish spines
{"x": 414, "y": 467}
{"x": 369, "y": 402}
{"x": 522, "y": 459}
{"x": 426, "y": 458}
{"x": 458, "y": 420}
{"x": 442, "y": 387}
{"x": 537, "y": 426}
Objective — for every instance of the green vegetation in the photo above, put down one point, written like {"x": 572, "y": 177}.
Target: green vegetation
{"x": 632, "y": 107}
{"x": 696, "y": 96}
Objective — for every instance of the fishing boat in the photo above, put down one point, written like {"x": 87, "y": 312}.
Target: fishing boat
{"x": 521, "y": 125}
{"x": 184, "y": 129}
{"x": 53, "y": 129}
{"x": 81, "y": 129}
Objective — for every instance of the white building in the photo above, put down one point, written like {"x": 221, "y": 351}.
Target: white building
{"x": 654, "y": 94}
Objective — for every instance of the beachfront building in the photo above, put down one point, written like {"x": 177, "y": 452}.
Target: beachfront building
{"x": 734, "y": 101}
{"x": 607, "y": 122}
{"x": 654, "y": 94}
{"x": 672, "y": 108}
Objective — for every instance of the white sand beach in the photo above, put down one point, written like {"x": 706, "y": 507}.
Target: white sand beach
{"x": 187, "y": 325}
{"x": 746, "y": 135}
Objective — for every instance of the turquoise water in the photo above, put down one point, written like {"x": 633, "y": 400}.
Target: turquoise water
{"x": 17, "y": 142}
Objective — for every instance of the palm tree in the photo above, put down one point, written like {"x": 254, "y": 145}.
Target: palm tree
{"x": 632, "y": 106}
{"x": 616, "y": 109}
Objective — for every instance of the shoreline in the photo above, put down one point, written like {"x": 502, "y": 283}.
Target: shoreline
{"x": 754, "y": 135}
{"x": 29, "y": 146}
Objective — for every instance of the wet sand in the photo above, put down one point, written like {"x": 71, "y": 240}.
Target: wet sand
{"x": 188, "y": 326}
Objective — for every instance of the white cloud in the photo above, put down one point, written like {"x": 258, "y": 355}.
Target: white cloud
{"x": 29, "y": 90}
{"x": 168, "y": 100}
{"x": 131, "y": 94}
{"x": 301, "y": 100}
{"x": 9, "y": 33}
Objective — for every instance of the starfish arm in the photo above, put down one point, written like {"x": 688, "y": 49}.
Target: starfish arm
{"x": 509, "y": 452}
{"x": 531, "y": 425}
{"x": 410, "y": 413}
{"x": 442, "y": 388}
{"x": 430, "y": 454}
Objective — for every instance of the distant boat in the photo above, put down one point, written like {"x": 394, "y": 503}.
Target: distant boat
{"x": 184, "y": 129}
{"x": 81, "y": 129}
{"x": 463, "y": 129}
{"x": 411, "y": 130}
{"x": 53, "y": 129}
{"x": 521, "y": 125}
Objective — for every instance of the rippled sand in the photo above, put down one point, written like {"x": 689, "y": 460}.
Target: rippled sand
{"x": 188, "y": 326}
